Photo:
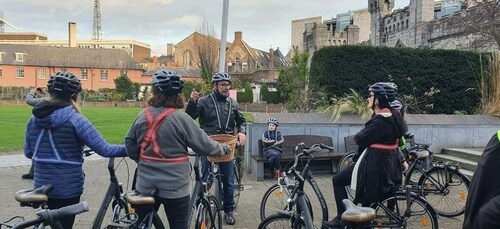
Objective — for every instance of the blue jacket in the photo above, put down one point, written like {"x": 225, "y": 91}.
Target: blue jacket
{"x": 55, "y": 138}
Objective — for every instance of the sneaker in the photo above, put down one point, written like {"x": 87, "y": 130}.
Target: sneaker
{"x": 334, "y": 223}
{"x": 229, "y": 219}
{"x": 27, "y": 176}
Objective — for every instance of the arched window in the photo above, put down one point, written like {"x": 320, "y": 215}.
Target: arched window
{"x": 387, "y": 5}
{"x": 188, "y": 58}
{"x": 344, "y": 42}
{"x": 398, "y": 26}
{"x": 407, "y": 23}
{"x": 237, "y": 62}
{"x": 402, "y": 25}
{"x": 394, "y": 28}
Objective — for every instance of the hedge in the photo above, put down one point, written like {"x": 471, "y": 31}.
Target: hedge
{"x": 335, "y": 69}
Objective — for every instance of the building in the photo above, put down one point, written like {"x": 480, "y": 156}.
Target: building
{"x": 187, "y": 74}
{"x": 32, "y": 66}
{"x": 424, "y": 23}
{"x": 298, "y": 28}
{"x": 22, "y": 36}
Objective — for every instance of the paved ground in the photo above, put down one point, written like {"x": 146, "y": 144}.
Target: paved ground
{"x": 97, "y": 180}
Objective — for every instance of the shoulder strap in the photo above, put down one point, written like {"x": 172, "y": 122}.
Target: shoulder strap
{"x": 154, "y": 124}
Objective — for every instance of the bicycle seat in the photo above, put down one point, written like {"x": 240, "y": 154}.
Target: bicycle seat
{"x": 419, "y": 154}
{"x": 355, "y": 214}
{"x": 34, "y": 195}
{"x": 138, "y": 198}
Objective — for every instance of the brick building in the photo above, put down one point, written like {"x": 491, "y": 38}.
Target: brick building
{"x": 32, "y": 66}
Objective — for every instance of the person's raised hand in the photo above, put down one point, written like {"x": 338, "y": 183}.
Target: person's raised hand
{"x": 195, "y": 95}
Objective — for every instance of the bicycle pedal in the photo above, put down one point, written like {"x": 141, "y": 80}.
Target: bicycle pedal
{"x": 240, "y": 187}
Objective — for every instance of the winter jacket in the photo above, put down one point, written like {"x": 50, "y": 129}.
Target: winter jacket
{"x": 482, "y": 209}
{"x": 177, "y": 132}
{"x": 55, "y": 137}
{"x": 213, "y": 111}
{"x": 272, "y": 140}
{"x": 32, "y": 100}
{"x": 379, "y": 169}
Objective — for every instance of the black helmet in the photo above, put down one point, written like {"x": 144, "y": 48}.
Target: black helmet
{"x": 273, "y": 121}
{"x": 217, "y": 77}
{"x": 64, "y": 84}
{"x": 383, "y": 90}
{"x": 167, "y": 82}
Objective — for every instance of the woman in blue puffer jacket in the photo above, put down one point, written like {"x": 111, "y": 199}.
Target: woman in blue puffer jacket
{"x": 55, "y": 138}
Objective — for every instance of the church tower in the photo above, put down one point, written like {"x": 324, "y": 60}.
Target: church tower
{"x": 378, "y": 9}
{"x": 421, "y": 13}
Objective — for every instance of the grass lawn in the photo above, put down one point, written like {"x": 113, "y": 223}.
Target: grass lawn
{"x": 112, "y": 122}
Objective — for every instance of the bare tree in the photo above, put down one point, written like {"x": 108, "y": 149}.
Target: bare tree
{"x": 207, "y": 52}
{"x": 481, "y": 20}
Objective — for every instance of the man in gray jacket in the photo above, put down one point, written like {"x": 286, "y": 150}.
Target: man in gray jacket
{"x": 220, "y": 114}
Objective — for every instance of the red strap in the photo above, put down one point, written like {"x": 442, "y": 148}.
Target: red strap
{"x": 385, "y": 147}
{"x": 154, "y": 124}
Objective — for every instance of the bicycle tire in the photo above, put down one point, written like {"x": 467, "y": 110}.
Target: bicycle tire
{"x": 238, "y": 174}
{"x": 215, "y": 189}
{"x": 106, "y": 202}
{"x": 280, "y": 221}
{"x": 419, "y": 207}
{"x": 281, "y": 201}
{"x": 208, "y": 214}
{"x": 344, "y": 162}
{"x": 447, "y": 202}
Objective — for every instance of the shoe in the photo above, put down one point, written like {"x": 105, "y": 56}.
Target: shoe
{"x": 27, "y": 176}
{"x": 334, "y": 223}
{"x": 229, "y": 219}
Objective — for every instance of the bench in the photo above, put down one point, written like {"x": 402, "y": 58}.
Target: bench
{"x": 261, "y": 166}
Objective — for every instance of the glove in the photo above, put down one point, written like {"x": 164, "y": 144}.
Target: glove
{"x": 226, "y": 149}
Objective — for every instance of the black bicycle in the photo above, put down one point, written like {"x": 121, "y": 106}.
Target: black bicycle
{"x": 238, "y": 175}
{"x": 113, "y": 200}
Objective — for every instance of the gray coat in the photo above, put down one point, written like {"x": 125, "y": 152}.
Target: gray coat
{"x": 175, "y": 135}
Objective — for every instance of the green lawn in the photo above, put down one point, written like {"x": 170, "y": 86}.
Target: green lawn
{"x": 112, "y": 122}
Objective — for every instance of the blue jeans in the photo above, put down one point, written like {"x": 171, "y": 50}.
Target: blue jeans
{"x": 273, "y": 157}
{"x": 227, "y": 171}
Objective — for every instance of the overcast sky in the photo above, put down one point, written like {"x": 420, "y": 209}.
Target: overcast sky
{"x": 264, "y": 23}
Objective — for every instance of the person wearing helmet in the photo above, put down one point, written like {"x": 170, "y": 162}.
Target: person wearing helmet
{"x": 158, "y": 141}
{"x": 377, "y": 168}
{"x": 55, "y": 137}
{"x": 220, "y": 114}
{"x": 272, "y": 141}
{"x": 399, "y": 105}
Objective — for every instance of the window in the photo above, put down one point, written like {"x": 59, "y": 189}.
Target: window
{"x": 19, "y": 56}
{"x": 104, "y": 74}
{"x": 187, "y": 59}
{"x": 2, "y": 54}
{"x": 42, "y": 73}
{"x": 123, "y": 72}
{"x": 20, "y": 72}
{"x": 84, "y": 74}
{"x": 64, "y": 70}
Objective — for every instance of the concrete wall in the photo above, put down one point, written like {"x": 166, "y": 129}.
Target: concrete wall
{"x": 439, "y": 136}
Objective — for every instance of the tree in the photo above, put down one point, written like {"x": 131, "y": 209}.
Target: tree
{"x": 207, "y": 53}
{"x": 292, "y": 82}
{"x": 125, "y": 87}
{"x": 481, "y": 20}
{"x": 489, "y": 86}
{"x": 264, "y": 91}
{"x": 137, "y": 90}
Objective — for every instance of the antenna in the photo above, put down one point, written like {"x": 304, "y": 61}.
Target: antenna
{"x": 96, "y": 31}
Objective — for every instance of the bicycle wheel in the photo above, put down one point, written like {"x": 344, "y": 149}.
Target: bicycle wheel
{"x": 414, "y": 175}
{"x": 344, "y": 163}
{"x": 238, "y": 186}
{"x": 276, "y": 198}
{"x": 208, "y": 214}
{"x": 215, "y": 189}
{"x": 279, "y": 221}
{"x": 446, "y": 189}
{"x": 394, "y": 212}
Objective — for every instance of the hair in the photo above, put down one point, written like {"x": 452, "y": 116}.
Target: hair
{"x": 54, "y": 97}
{"x": 161, "y": 100}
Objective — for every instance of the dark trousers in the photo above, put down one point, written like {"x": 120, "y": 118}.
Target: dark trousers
{"x": 340, "y": 180}
{"x": 177, "y": 211}
{"x": 273, "y": 157}
{"x": 55, "y": 203}
{"x": 227, "y": 171}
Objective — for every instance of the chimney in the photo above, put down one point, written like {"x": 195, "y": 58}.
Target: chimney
{"x": 170, "y": 49}
{"x": 271, "y": 58}
{"x": 238, "y": 35}
{"x": 72, "y": 34}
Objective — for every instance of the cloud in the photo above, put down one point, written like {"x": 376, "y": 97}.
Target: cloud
{"x": 187, "y": 20}
{"x": 163, "y": 2}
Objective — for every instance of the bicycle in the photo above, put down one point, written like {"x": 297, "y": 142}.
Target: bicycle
{"x": 37, "y": 198}
{"x": 205, "y": 205}
{"x": 238, "y": 175}
{"x": 298, "y": 205}
{"x": 445, "y": 187}
{"x": 114, "y": 198}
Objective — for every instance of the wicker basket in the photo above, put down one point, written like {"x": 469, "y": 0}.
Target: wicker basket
{"x": 230, "y": 140}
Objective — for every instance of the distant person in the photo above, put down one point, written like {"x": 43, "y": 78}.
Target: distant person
{"x": 482, "y": 209}
{"x": 158, "y": 141}
{"x": 55, "y": 138}
{"x": 272, "y": 141}
{"x": 33, "y": 97}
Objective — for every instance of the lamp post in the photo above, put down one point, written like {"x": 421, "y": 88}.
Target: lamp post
{"x": 223, "y": 36}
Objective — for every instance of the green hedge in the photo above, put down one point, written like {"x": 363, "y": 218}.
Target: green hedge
{"x": 245, "y": 96}
{"x": 335, "y": 69}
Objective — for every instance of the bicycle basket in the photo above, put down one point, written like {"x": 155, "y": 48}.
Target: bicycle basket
{"x": 228, "y": 139}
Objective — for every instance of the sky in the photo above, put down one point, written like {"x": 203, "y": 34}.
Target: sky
{"x": 265, "y": 23}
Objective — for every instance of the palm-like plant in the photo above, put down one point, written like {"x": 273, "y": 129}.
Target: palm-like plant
{"x": 352, "y": 103}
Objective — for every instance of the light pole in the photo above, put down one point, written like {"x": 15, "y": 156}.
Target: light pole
{"x": 223, "y": 36}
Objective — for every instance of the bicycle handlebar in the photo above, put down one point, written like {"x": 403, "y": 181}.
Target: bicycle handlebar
{"x": 51, "y": 217}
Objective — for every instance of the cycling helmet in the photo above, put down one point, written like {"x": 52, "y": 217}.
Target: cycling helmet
{"x": 217, "y": 77}
{"x": 167, "y": 82}
{"x": 273, "y": 121}
{"x": 64, "y": 84}
{"x": 383, "y": 90}
{"x": 396, "y": 104}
